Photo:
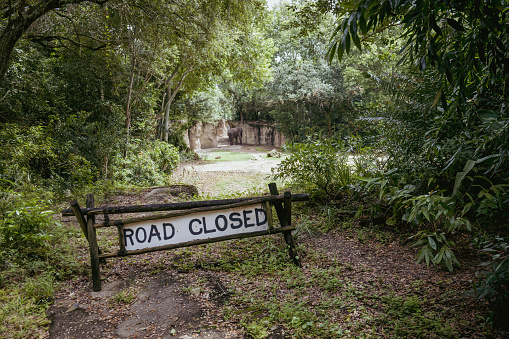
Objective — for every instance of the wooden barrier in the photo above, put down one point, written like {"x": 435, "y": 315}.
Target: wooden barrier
{"x": 191, "y": 223}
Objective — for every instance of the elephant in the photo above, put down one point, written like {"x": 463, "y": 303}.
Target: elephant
{"x": 235, "y": 135}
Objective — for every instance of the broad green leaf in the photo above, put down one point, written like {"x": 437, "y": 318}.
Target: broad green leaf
{"x": 432, "y": 243}
{"x": 426, "y": 214}
{"x": 362, "y": 24}
{"x": 391, "y": 221}
{"x": 466, "y": 208}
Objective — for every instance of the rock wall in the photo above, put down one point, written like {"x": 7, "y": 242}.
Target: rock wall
{"x": 261, "y": 133}
{"x": 209, "y": 135}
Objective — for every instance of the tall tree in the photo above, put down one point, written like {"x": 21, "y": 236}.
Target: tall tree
{"x": 16, "y": 18}
{"x": 466, "y": 43}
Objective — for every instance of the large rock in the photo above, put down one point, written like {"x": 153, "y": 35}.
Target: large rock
{"x": 208, "y": 137}
{"x": 261, "y": 133}
{"x": 195, "y": 135}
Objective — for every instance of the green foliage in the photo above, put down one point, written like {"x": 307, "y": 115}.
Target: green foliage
{"x": 40, "y": 288}
{"x": 146, "y": 164}
{"x": 32, "y": 155}
{"x": 409, "y": 320}
{"x": 70, "y": 105}
{"x": 493, "y": 281}
{"x": 125, "y": 296}
{"x": 320, "y": 164}
{"x": 305, "y": 95}
{"x": 311, "y": 97}
{"x": 35, "y": 252}
{"x": 435, "y": 249}
{"x": 24, "y": 225}
{"x": 435, "y": 214}
{"x": 27, "y": 152}
{"x": 21, "y": 317}
{"x": 256, "y": 330}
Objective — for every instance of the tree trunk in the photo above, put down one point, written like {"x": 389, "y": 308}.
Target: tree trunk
{"x": 171, "y": 95}
{"x": 166, "y": 119}
{"x": 128, "y": 112}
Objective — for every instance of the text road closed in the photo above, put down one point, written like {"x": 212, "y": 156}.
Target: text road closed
{"x": 199, "y": 226}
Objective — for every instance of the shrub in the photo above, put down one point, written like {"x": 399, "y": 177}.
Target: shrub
{"x": 493, "y": 283}
{"x": 35, "y": 252}
{"x": 320, "y": 164}
{"x": 24, "y": 224}
{"x": 146, "y": 163}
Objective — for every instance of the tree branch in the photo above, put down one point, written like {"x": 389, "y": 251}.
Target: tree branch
{"x": 20, "y": 16}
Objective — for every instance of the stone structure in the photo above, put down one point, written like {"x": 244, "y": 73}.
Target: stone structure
{"x": 210, "y": 135}
{"x": 261, "y": 133}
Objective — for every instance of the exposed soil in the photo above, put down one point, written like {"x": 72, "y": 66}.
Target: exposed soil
{"x": 152, "y": 296}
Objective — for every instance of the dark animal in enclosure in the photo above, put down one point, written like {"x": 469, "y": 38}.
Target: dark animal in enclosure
{"x": 235, "y": 136}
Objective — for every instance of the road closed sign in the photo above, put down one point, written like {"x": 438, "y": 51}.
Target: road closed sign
{"x": 191, "y": 223}
{"x": 197, "y": 226}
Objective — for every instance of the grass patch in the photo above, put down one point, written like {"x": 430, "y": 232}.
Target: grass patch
{"x": 226, "y": 156}
{"x": 125, "y": 296}
{"x": 21, "y": 316}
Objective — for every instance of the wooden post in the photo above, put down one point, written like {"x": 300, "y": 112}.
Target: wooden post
{"x": 81, "y": 219}
{"x": 92, "y": 244}
{"x": 121, "y": 239}
{"x": 288, "y": 234}
{"x": 285, "y": 218}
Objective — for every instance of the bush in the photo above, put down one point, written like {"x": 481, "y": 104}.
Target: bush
{"x": 320, "y": 164}
{"x": 493, "y": 283}
{"x": 24, "y": 225}
{"x": 147, "y": 163}
{"x": 35, "y": 252}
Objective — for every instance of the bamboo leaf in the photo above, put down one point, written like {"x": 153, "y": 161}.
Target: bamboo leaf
{"x": 437, "y": 98}
{"x": 454, "y": 24}
{"x": 432, "y": 243}
{"x": 362, "y": 24}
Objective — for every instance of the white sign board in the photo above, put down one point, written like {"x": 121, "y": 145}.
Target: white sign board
{"x": 197, "y": 226}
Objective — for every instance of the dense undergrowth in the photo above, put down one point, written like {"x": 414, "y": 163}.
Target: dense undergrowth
{"x": 433, "y": 218}
{"x": 36, "y": 252}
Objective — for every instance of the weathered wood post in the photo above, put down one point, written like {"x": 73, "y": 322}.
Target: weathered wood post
{"x": 284, "y": 215}
{"x": 79, "y": 216}
{"x": 92, "y": 244}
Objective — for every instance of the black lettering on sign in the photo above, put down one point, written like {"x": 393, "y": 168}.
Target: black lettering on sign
{"x": 154, "y": 232}
{"x": 128, "y": 234}
{"x": 259, "y": 221}
{"x": 247, "y": 218}
{"x": 221, "y": 225}
{"x": 191, "y": 227}
{"x": 205, "y": 227}
{"x": 166, "y": 236}
{"x": 235, "y": 217}
{"x": 137, "y": 234}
